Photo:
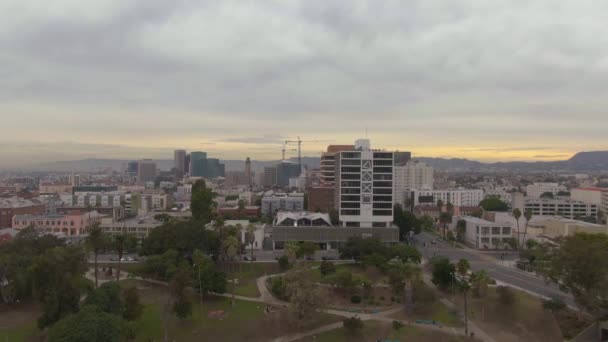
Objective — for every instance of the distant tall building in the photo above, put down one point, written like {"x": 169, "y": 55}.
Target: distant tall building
{"x": 201, "y": 166}
{"x": 248, "y": 174}
{"x": 130, "y": 170}
{"x": 270, "y": 176}
{"x": 187, "y": 164}
{"x": 413, "y": 175}
{"x": 179, "y": 162}
{"x": 285, "y": 171}
{"x": 146, "y": 171}
{"x": 364, "y": 186}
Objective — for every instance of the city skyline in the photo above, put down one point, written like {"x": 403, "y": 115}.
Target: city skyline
{"x": 470, "y": 80}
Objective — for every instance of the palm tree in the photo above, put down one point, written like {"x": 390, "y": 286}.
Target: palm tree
{"x": 231, "y": 245}
{"x": 120, "y": 242}
{"x": 528, "y": 216}
{"x": 517, "y": 215}
{"x": 95, "y": 242}
{"x": 251, "y": 238}
{"x": 462, "y": 267}
{"x": 291, "y": 249}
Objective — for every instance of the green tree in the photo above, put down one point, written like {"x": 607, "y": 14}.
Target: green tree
{"x": 183, "y": 237}
{"x": 182, "y": 306}
{"x": 133, "y": 308}
{"x": 554, "y": 304}
{"x": 96, "y": 241}
{"x": 250, "y": 238}
{"x": 479, "y": 283}
{"x": 107, "y": 297}
{"x": 493, "y": 204}
{"x": 580, "y": 264}
{"x": 306, "y": 248}
{"x": 461, "y": 229}
{"x": 163, "y": 217}
{"x": 58, "y": 282}
{"x": 344, "y": 280}
{"x": 405, "y": 253}
{"x": 443, "y": 272}
{"x": 406, "y": 221}
{"x": 201, "y": 202}
{"x": 230, "y": 246}
{"x": 305, "y": 297}
{"x": 334, "y": 217}
{"x": 327, "y": 267}
{"x": 120, "y": 243}
{"x": 90, "y": 325}
{"x": 426, "y": 223}
{"x": 283, "y": 263}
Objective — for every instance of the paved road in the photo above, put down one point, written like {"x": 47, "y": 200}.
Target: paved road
{"x": 482, "y": 260}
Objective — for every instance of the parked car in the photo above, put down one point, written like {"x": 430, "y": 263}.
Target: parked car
{"x": 309, "y": 258}
{"x": 327, "y": 258}
{"x": 249, "y": 258}
{"x": 434, "y": 242}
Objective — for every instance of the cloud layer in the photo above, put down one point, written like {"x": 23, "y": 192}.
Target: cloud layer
{"x": 477, "y": 76}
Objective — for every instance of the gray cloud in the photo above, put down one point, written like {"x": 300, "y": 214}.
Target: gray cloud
{"x": 473, "y": 73}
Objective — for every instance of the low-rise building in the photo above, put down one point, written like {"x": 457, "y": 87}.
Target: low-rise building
{"x": 484, "y": 234}
{"x": 561, "y": 207}
{"x": 140, "y": 227}
{"x": 537, "y": 189}
{"x": 282, "y": 201}
{"x": 592, "y": 195}
{"x": 12, "y": 206}
{"x": 75, "y": 223}
{"x": 301, "y": 219}
{"x": 458, "y": 197}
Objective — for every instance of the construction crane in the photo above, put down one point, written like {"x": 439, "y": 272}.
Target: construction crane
{"x": 286, "y": 149}
{"x": 299, "y": 142}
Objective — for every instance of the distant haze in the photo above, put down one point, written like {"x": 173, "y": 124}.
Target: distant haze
{"x": 484, "y": 80}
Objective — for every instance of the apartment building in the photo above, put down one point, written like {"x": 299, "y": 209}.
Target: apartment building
{"x": 364, "y": 186}
{"x": 12, "y": 206}
{"x": 413, "y": 175}
{"x": 74, "y": 223}
{"x": 274, "y": 202}
{"x": 561, "y": 207}
{"x": 140, "y": 227}
{"x": 591, "y": 195}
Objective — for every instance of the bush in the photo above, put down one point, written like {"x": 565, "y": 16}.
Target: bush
{"x": 397, "y": 325}
{"x": 353, "y": 324}
{"x": 356, "y": 299}
{"x": 327, "y": 267}
{"x": 277, "y": 287}
{"x": 283, "y": 263}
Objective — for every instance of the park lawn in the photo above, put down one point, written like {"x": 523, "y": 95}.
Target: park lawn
{"x": 435, "y": 311}
{"x": 371, "y": 274}
{"x": 245, "y": 321}
{"x": 375, "y": 330}
{"x": 247, "y": 273}
{"x": 25, "y": 332}
{"x": 523, "y": 320}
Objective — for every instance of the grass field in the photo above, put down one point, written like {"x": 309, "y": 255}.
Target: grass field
{"x": 523, "y": 320}
{"x": 247, "y": 273}
{"x": 383, "y": 331}
{"x": 435, "y": 311}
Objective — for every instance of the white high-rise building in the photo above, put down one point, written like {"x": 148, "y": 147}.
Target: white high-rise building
{"x": 413, "y": 175}
{"x": 537, "y": 189}
{"x": 364, "y": 186}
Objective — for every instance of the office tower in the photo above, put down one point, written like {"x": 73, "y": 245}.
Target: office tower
{"x": 248, "y": 172}
{"x": 179, "y": 162}
{"x": 270, "y": 176}
{"x": 146, "y": 171}
{"x": 285, "y": 171}
{"x": 130, "y": 170}
{"x": 196, "y": 163}
{"x": 364, "y": 186}
{"x": 187, "y": 164}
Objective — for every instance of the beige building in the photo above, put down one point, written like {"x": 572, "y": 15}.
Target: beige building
{"x": 554, "y": 227}
{"x": 591, "y": 195}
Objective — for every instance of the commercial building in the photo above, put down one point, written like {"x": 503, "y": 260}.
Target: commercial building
{"x": 53, "y": 188}
{"x": 484, "y": 234}
{"x": 537, "y": 189}
{"x": 146, "y": 171}
{"x": 604, "y": 204}
{"x": 179, "y": 162}
{"x": 544, "y": 229}
{"x": 364, "y": 186}
{"x": 458, "y": 197}
{"x": 12, "y": 206}
{"x": 592, "y": 195}
{"x": 301, "y": 219}
{"x": 274, "y": 202}
{"x": 413, "y": 175}
{"x": 74, "y": 223}
{"x": 561, "y": 207}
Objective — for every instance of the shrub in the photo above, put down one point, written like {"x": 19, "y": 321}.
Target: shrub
{"x": 283, "y": 263}
{"x": 353, "y": 324}
{"x": 397, "y": 325}
{"x": 277, "y": 287}
{"x": 356, "y": 299}
{"x": 327, "y": 267}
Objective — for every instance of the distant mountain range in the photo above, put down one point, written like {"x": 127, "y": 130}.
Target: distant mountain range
{"x": 596, "y": 161}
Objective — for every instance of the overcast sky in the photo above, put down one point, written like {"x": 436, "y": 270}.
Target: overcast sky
{"x": 481, "y": 79}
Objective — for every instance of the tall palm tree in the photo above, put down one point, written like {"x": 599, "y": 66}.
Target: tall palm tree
{"x": 231, "y": 245}
{"x": 95, "y": 242}
{"x": 517, "y": 215}
{"x": 119, "y": 242}
{"x": 528, "y": 216}
{"x": 462, "y": 267}
{"x": 251, "y": 238}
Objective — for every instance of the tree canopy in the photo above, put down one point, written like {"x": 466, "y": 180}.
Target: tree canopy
{"x": 493, "y": 204}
